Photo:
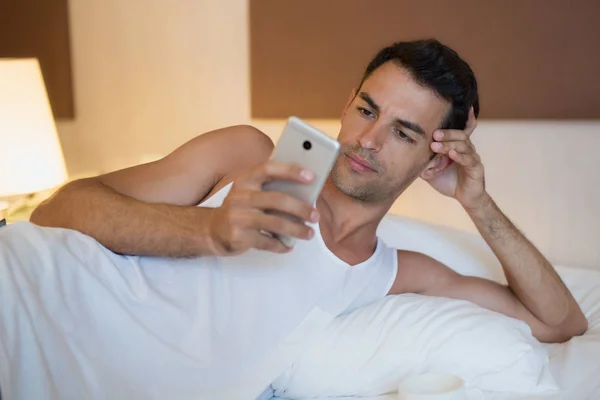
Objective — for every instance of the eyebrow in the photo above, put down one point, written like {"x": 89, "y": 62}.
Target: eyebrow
{"x": 407, "y": 124}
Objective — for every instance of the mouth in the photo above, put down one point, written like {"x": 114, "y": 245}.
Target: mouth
{"x": 359, "y": 165}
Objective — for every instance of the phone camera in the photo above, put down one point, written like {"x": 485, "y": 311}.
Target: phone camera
{"x": 307, "y": 145}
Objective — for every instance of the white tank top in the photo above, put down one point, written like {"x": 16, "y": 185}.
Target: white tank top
{"x": 380, "y": 269}
{"x": 284, "y": 299}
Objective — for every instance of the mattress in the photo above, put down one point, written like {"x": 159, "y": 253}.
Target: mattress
{"x": 576, "y": 364}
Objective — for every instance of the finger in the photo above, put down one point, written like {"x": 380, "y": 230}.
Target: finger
{"x": 273, "y": 200}
{"x": 273, "y": 170}
{"x": 266, "y": 242}
{"x": 457, "y": 134}
{"x": 281, "y": 225}
{"x": 471, "y": 122}
{"x": 466, "y": 160}
{"x": 448, "y": 135}
{"x": 459, "y": 146}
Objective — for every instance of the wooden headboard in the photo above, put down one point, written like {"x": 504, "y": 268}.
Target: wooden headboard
{"x": 534, "y": 59}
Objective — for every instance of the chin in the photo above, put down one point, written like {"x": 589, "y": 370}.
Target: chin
{"x": 363, "y": 192}
{"x": 366, "y": 191}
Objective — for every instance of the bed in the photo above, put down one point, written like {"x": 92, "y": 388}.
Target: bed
{"x": 574, "y": 365}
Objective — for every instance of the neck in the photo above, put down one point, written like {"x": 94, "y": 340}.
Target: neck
{"x": 346, "y": 221}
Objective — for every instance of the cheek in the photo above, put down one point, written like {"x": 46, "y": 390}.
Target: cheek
{"x": 351, "y": 125}
{"x": 403, "y": 160}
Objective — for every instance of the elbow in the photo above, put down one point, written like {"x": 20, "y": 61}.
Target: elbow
{"x": 571, "y": 328}
{"x": 577, "y": 325}
{"x": 51, "y": 212}
{"x": 36, "y": 215}
{"x": 582, "y": 325}
{"x": 41, "y": 215}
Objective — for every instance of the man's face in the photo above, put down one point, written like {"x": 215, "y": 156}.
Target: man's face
{"x": 388, "y": 125}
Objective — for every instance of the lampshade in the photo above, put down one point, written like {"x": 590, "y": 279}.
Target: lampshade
{"x": 31, "y": 158}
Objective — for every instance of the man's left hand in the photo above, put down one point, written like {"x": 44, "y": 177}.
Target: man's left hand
{"x": 464, "y": 178}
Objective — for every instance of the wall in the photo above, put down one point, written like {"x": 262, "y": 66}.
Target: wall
{"x": 149, "y": 75}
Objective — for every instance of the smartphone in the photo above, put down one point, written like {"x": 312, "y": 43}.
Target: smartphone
{"x": 303, "y": 144}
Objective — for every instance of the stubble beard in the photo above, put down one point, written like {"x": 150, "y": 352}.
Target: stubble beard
{"x": 380, "y": 188}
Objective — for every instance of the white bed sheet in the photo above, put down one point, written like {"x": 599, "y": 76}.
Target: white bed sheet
{"x": 576, "y": 364}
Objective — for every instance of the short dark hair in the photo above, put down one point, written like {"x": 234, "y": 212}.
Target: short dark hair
{"x": 436, "y": 67}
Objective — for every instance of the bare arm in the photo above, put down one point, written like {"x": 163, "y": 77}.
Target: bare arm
{"x": 150, "y": 209}
{"x": 418, "y": 273}
{"x": 535, "y": 293}
{"x": 531, "y": 278}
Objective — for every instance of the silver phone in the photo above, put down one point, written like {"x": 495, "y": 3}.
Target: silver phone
{"x": 303, "y": 144}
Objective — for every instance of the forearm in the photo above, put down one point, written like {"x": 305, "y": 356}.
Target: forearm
{"x": 530, "y": 276}
{"x": 126, "y": 225}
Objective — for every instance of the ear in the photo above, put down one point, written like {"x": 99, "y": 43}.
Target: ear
{"x": 436, "y": 166}
{"x": 350, "y": 99}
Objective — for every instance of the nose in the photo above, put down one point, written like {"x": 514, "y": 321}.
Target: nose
{"x": 371, "y": 138}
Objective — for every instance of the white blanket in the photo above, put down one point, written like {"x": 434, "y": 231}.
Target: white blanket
{"x": 78, "y": 321}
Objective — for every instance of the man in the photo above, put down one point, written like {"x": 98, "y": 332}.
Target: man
{"x": 411, "y": 116}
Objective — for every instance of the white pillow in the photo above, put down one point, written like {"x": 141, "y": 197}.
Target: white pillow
{"x": 367, "y": 352}
{"x": 465, "y": 252}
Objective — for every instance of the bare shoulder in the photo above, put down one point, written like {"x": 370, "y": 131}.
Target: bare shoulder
{"x": 418, "y": 272}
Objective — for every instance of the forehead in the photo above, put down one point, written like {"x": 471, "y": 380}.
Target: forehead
{"x": 399, "y": 95}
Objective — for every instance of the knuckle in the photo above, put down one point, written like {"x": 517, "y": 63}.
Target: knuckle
{"x": 279, "y": 199}
{"x": 237, "y": 219}
{"x": 279, "y": 224}
{"x": 269, "y": 168}
{"x": 252, "y": 198}
{"x": 269, "y": 200}
{"x": 287, "y": 203}
{"x": 243, "y": 196}
{"x": 236, "y": 238}
{"x": 300, "y": 230}
{"x": 306, "y": 232}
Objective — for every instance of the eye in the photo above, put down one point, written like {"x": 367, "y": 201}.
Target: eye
{"x": 403, "y": 135}
{"x": 365, "y": 112}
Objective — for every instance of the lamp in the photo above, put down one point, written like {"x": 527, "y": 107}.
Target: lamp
{"x": 31, "y": 158}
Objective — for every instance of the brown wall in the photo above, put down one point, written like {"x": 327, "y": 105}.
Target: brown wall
{"x": 532, "y": 58}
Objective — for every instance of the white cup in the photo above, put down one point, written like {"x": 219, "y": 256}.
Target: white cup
{"x": 432, "y": 386}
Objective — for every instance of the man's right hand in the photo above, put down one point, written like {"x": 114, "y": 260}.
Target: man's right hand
{"x": 239, "y": 223}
